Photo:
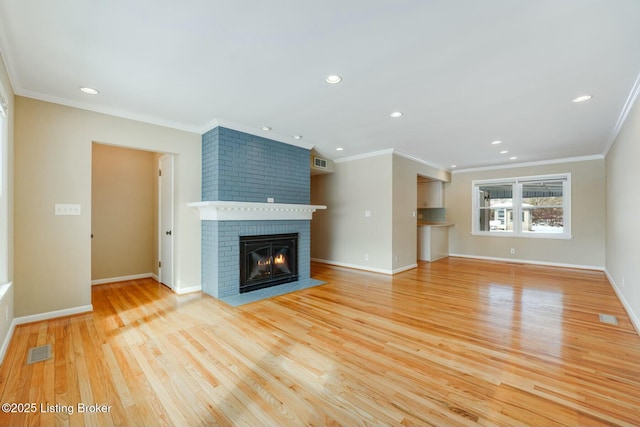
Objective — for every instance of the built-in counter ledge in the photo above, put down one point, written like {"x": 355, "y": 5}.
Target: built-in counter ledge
{"x": 253, "y": 211}
{"x": 435, "y": 224}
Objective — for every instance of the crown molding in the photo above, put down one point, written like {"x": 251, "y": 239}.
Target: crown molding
{"x": 418, "y": 160}
{"x": 364, "y": 156}
{"x": 115, "y": 112}
{"x": 628, "y": 105}
{"x": 527, "y": 164}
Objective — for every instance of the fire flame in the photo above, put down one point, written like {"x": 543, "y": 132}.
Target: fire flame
{"x": 279, "y": 259}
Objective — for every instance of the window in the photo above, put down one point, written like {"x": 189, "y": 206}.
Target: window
{"x": 4, "y": 203}
{"x": 535, "y": 206}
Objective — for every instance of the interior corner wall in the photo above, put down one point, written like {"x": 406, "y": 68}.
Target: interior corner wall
{"x": 124, "y": 212}
{"x": 587, "y": 247}
{"x": 53, "y": 165}
{"x": 405, "y": 203}
{"x": 342, "y": 234}
{"x": 623, "y": 205}
{"x": 7, "y": 289}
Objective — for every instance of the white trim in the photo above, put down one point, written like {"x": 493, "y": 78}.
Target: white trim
{"x": 155, "y": 277}
{"x": 170, "y": 247}
{"x": 7, "y": 340}
{"x": 53, "y": 314}
{"x": 253, "y": 211}
{"x": 182, "y": 291}
{"x": 364, "y": 267}
{"x": 115, "y": 112}
{"x": 628, "y": 105}
{"x": 538, "y": 163}
{"x": 516, "y": 183}
{"x": 364, "y": 156}
{"x": 528, "y": 235}
{"x": 526, "y": 261}
{"x": 418, "y": 160}
{"x": 635, "y": 321}
{"x": 405, "y": 268}
{"x": 122, "y": 278}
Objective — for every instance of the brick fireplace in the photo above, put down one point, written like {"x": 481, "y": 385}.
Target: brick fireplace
{"x": 241, "y": 174}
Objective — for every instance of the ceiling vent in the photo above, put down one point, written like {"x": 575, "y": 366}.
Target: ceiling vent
{"x": 319, "y": 162}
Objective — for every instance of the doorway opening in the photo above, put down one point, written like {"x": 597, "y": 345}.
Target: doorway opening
{"x": 125, "y": 215}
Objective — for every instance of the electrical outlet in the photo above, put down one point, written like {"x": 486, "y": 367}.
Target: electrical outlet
{"x": 367, "y": 214}
{"x": 270, "y": 200}
{"x": 366, "y": 257}
{"x": 513, "y": 251}
{"x": 623, "y": 282}
{"x": 396, "y": 259}
{"x": 6, "y": 313}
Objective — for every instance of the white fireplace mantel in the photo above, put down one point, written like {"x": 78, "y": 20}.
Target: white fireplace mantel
{"x": 253, "y": 211}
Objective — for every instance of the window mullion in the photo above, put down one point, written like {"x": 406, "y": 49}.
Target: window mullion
{"x": 517, "y": 208}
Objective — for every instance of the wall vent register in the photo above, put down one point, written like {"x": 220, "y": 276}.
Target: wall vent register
{"x": 319, "y": 163}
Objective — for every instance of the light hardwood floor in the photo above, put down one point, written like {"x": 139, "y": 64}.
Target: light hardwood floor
{"x": 455, "y": 342}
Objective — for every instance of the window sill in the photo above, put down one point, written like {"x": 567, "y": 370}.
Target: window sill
{"x": 558, "y": 236}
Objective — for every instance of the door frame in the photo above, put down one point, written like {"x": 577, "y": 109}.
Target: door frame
{"x": 163, "y": 157}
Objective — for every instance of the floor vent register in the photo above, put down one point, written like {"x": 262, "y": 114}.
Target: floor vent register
{"x": 39, "y": 354}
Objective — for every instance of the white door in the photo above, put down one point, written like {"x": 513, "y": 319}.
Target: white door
{"x": 166, "y": 220}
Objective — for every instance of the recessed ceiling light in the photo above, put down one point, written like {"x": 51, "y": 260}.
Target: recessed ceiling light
{"x": 265, "y": 128}
{"x": 89, "y": 90}
{"x": 339, "y": 149}
{"x": 297, "y": 136}
{"x": 582, "y": 98}
{"x": 504, "y": 151}
{"x": 513, "y": 158}
{"x": 396, "y": 114}
{"x": 453, "y": 166}
{"x": 333, "y": 79}
{"x": 496, "y": 142}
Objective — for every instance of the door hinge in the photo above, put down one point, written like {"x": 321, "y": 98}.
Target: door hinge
{"x": 159, "y": 264}
{"x": 159, "y": 172}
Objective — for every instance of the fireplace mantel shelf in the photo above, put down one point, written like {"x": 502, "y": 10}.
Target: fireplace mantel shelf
{"x": 253, "y": 211}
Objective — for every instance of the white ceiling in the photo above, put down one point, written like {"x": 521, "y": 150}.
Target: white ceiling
{"x": 463, "y": 72}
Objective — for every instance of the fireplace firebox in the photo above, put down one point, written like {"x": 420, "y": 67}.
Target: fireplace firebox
{"x": 267, "y": 260}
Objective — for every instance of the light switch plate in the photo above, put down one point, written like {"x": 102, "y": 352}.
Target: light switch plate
{"x": 67, "y": 209}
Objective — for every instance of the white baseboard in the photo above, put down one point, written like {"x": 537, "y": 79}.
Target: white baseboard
{"x": 155, "y": 277}
{"x": 123, "y": 278}
{"x": 526, "y": 261}
{"x": 635, "y": 321}
{"x": 181, "y": 291}
{"x": 37, "y": 318}
{"x": 405, "y": 268}
{"x": 7, "y": 341}
{"x": 52, "y": 314}
{"x": 365, "y": 267}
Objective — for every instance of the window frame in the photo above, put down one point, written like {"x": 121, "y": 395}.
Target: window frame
{"x": 516, "y": 197}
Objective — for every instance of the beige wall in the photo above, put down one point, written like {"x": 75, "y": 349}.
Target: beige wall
{"x": 586, "y": 249}
{"x": 6, "y": 214}
{"x": 342, "y": 234}
{"x": 623, "y": 206}
{"x": 385, "y": 185}
{"x": 53, "y": 165}
{"x": 124, "y": 212}
{"x": 405, "y": 203}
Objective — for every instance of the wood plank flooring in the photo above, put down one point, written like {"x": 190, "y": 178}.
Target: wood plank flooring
{"x": 455, "y": 342}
